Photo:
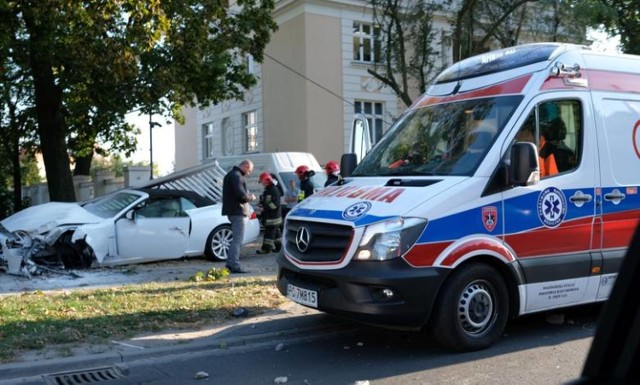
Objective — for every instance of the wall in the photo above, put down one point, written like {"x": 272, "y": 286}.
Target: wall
{"x": 87, "y": 187}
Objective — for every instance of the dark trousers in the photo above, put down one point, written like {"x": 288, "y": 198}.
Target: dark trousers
{"x": 272, "y": 239}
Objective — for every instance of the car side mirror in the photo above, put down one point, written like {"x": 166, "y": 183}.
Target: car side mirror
{"x": 524, "y": 169}
{"x": 130, "y": 215}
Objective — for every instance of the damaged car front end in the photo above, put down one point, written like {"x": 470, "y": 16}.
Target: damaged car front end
{"x": 28, "y": 249}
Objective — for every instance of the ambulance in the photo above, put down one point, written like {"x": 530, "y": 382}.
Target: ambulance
{"x": 510, "y": 187}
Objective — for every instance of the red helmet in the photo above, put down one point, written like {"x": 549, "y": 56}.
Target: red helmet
{"x": 301, "y": 170}
{"x": 265, "y": 177}
{"x": 332, "y": 166}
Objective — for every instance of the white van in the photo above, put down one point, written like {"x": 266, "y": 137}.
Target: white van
{"x": 282, "y": 165}
{"x": 470, "y": 234}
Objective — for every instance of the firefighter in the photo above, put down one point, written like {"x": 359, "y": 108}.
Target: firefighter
{"x": 271, "y": 215}
{"x": 306, "y": 186}
{"x": 333, "y": 173}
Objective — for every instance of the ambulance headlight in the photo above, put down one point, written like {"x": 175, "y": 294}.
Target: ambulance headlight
{"x": 389, "y": 239}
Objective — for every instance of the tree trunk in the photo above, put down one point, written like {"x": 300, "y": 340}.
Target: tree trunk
{"x": 17, "y": 175}
{"x": 83, "y": 165}
{"x": 48, "y": 97}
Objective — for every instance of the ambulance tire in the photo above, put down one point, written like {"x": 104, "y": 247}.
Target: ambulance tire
{"x": 472, "y": 309}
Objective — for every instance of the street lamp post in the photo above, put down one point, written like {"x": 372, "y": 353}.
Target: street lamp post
{"x": 151, "y": 145}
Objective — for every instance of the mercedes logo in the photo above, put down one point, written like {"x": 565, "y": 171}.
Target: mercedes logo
{"x": 303, "y": 239}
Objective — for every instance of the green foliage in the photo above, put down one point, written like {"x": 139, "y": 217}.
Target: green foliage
{"x": 213, "y": 274}
{"x": 91, "y": 62}
{"x": 29, "y": 170}
{"x": 618, "y": 17}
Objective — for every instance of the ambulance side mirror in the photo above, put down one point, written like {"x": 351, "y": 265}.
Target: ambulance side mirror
{"x": 348, "y": 163}
{"x": 524, "y": 170}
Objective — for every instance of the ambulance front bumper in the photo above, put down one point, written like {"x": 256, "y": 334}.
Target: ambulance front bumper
{"x": 389, "y": 293}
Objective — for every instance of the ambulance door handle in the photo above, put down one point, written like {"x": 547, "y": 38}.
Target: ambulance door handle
{"x": 614, "y": 196}
{"x": 580, "y": 198}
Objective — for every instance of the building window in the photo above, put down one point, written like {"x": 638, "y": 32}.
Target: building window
{"x": 207, "y": 141}
{"x": 251, "y": 131}
{"x": 367, "y": 45}
{"x": 374, "y": 113}
{"x": 250, "y": 64}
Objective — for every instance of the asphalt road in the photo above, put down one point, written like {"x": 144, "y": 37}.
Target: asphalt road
{"x": 312, "y": 348}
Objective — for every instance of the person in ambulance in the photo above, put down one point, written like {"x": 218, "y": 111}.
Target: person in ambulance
{"x": 546, "y": 156}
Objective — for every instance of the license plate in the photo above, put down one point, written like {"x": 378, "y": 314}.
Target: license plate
{"x": 302, "y": 296}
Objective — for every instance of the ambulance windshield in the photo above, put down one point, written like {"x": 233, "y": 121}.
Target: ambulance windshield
{"x": 441, "y": 139}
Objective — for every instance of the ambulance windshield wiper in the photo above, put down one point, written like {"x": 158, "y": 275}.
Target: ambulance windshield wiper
{"x": 400, "y": 172}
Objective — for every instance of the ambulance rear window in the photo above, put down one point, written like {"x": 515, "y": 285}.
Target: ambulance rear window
{"x": 497, "y": 61}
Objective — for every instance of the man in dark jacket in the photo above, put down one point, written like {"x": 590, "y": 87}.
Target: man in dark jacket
{"x": 235, "y": 205}
{"x": 271, "y": 215}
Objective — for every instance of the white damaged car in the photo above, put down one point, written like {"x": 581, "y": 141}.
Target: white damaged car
{"x": 126, "y": 227}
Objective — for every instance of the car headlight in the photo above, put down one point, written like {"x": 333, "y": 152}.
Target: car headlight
{"x": 389, "y": 239}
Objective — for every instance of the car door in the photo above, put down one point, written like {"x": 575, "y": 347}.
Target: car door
{"x": 549, "y": 224}
{"x": 619, "y": 150}
{"x": 159, "y": 230}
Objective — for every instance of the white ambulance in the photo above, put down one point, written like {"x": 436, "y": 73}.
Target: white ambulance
{"x": 510, "y": 187}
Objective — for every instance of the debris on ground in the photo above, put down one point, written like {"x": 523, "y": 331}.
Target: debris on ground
{"x": 240, "y": 312}
{"x": 201, "y": 375}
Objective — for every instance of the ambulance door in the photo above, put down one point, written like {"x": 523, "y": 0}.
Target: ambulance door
{"x": 549, "y": 224}
{"x": 619, "y": 149}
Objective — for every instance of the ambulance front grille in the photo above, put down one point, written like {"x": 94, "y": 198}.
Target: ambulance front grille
{"x": 327, "y": 242}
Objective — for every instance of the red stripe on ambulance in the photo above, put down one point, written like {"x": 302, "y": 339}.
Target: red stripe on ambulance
{"x": 514, "y": 86}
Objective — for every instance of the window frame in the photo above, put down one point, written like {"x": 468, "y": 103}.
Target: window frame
{"x": 374, "y": 119}
{"x": 361, "y": 39}
{"x": 250, "y": 128}
{"x": 207, "y": 141}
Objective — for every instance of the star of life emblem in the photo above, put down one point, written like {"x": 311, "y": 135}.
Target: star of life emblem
{"x": 552, "y": 207}
{"x": 356, "y": 210}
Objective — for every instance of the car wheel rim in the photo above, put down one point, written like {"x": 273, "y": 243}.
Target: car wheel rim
{"x": 477, "y": 308}
{"x": 221, "y": 242}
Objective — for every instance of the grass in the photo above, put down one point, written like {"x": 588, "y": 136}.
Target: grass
{"x": 36, "y": 320}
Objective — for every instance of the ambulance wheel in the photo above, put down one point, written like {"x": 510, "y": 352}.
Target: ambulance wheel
{"x": 218, "y": 243}
{"x": 472, "y": 309}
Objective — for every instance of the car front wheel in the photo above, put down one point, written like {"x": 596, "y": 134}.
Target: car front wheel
{"x": 472, "y": 309}
{"x": 218, "y": 243}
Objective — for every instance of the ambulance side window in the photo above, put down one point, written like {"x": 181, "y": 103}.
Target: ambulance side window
{"x": 556, "y": 129}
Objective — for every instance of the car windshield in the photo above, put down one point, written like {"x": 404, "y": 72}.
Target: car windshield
{"x": 442, "y": 139}
{"x": 110, "y": 205}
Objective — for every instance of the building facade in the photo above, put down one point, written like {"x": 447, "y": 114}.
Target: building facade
{"x": 312, "y": 81}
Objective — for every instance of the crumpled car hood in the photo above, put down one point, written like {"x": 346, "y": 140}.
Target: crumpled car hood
{"x": 44, "y": 217}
